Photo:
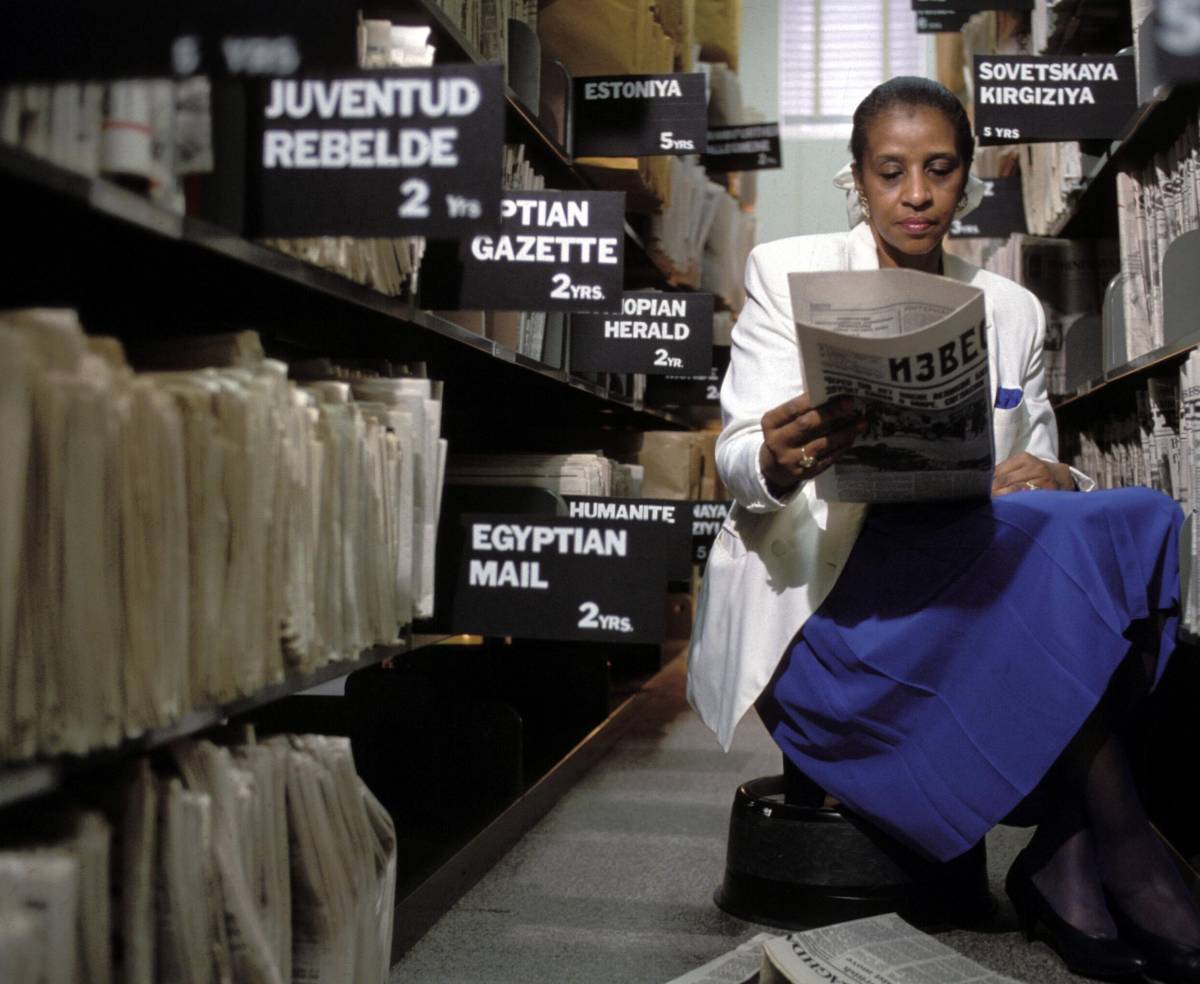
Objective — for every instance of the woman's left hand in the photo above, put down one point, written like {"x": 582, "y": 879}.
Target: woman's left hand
{"x": 1024, "y": 472}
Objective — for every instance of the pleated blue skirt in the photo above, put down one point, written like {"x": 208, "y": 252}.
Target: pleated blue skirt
{"x": 964, "y": 646}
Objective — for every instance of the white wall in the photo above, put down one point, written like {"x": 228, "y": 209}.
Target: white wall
{"x": 799, "y": 198}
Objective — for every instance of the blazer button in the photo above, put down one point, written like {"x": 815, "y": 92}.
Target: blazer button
{"x": 778, "y": 548}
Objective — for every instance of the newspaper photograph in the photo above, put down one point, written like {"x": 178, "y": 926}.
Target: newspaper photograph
{"x": 876, "y": 950}
{"x": 911, "y": 348}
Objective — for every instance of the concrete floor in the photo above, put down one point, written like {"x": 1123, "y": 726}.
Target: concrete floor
{"x": 615, "y": 884}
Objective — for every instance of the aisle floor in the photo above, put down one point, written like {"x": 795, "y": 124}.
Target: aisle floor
{"x": 615, "y": 884}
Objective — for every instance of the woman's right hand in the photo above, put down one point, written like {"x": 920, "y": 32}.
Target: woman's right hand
{"x": 800, "y": 441}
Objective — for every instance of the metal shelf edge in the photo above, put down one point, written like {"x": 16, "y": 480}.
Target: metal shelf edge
{"x": 28, "y": 780}
{"x": 1143, "y": 362}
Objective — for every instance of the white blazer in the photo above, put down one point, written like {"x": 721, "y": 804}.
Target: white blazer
{"x": 774, "y": 561}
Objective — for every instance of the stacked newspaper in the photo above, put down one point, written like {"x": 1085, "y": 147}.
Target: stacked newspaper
{"x": 150, "y": 132}
{"x": 1052, "y": 177}
{"x": 726, "y": 248}
{"x": 202, "y": 530}
{"x": 1157, "y": 202}
{"x": 679, "y": 232}
{"x": 875, "y": 950}
{"x": 485, "y": 22}
{"x": 566, "y": 474}
{"x": 263, "y": 863}
{"x": 55, "y": 903}
{"x": 1154, "y": 443}
{"x": 911, "y": 349}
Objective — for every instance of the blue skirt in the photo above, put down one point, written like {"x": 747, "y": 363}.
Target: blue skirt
{"x": 963, "y": 647}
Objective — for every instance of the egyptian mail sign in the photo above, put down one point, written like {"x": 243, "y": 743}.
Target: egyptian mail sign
{"x": 1032, "y": 98}
{"x": 398, "y": 153}
{"x": 536, "y": 577}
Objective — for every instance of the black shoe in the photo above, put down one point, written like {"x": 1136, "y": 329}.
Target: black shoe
{"x": 1090, "y": 956}
{"x": 1175, "y": 963}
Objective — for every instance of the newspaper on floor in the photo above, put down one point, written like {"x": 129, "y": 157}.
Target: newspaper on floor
{"x": 877, "y": 950}
{"x": 911, "y": 349}
{"x": 740, "y": 966}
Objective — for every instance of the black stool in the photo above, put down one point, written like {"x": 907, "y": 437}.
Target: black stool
{"x": 793, "y": 862}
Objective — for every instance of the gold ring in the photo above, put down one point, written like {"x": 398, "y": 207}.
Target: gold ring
{"x": 806, "y": 459}
{"x": 1032, "y": 485}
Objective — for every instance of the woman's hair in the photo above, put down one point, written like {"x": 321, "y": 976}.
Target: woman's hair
{"x": 912, "y": 90}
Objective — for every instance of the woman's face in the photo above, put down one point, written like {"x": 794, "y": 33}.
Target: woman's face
{"x": 912, "y": 178}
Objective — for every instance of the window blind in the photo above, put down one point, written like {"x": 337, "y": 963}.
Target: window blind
{"x": 833, "y": 52}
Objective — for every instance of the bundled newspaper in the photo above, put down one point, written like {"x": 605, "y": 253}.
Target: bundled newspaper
{"x": 912, "y": 350}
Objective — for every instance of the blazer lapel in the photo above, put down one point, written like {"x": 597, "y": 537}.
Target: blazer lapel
{"x": 860, "y": 249}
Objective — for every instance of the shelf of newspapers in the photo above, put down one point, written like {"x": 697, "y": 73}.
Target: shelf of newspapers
{"x": 526, "y": 127}
{"x": 1161, "y": 102}
{"x": 1180, "y": 300}
{"x": 25, "y": 781}
{"x": 29, "y": 178}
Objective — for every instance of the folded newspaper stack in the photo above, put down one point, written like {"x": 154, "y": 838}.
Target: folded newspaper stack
{"x": 265, "y": 862}
{"x": 203, "y": 530}
{"x": 912, "y": 350}
{"x": 566, "y": 474}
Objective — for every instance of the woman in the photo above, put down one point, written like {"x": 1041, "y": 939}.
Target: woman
{"x": 930, "y": 666}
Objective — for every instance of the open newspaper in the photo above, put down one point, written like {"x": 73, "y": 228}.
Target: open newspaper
{"x": 912, "y": 349}
{"x": 876, "y": 950}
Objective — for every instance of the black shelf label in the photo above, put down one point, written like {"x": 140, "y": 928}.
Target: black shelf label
{"x": 690, "y": 391}
{"x": 671, "y": 518}
{"x": 1031, "y": 98}
{"x": 654, "y": 332}
{"x": 942, "y": 21}
{"x": 749, "y": 147}
{"x": 707, "y": 519}
{"x": 1176, "y": 27}
{"x": 1001, "y": 213}
{"x": 83, "y": 39}
{"x": 640, "y": 115}
{"x": 969, "y": 7}
{"x": 556, "y": 251}
{"x": 570, "y": 579}
{"x": 401, "y": 152}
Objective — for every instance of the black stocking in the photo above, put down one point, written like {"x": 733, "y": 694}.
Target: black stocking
{"x": 1062, "y": 855}
{"x": 1135, "y": 866}
{"x": 1096, "y": 833}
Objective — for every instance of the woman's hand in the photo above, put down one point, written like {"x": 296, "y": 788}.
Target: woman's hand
{"x": 800, "y": 441}
{"x": 1024, "y": 472}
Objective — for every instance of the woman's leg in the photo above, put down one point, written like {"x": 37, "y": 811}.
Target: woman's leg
{"x": 1097, "y": 838}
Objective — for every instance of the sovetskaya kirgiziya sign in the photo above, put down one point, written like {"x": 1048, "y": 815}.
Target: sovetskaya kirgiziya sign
{"x": 1030, "y": 98}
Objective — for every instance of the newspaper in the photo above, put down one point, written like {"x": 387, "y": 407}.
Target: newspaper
{"x": 912, "y": 349}
{"x": 740, "y": 966}
{"x": 877, "y": 950}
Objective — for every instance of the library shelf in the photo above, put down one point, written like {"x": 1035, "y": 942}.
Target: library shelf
{"x": 1144, "y": 363}
{"x": 24, "y": 781}
{"x": 28, "y": 184}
